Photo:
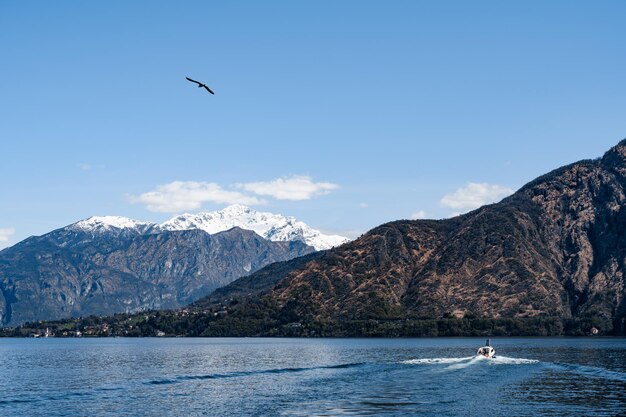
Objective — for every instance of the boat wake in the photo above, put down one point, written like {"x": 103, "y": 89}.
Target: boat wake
{"x": 172, "y": 380}
{"x": 182, "y": 378}
{"x": 590, "y": 371}
{"x": 449, "y": 364}
{"x": 466, "y": 364}
{"x": 432, "y": 361}
{"x": 460, "y": 363}
{"x": 504, "y": 360}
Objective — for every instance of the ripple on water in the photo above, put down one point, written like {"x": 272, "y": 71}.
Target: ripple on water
{"x": 239, "y": 377}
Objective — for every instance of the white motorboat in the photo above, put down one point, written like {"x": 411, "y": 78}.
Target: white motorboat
{"x": 487, "y": 351}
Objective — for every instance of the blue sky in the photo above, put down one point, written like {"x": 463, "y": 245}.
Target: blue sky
{"x": 343, "y": 114}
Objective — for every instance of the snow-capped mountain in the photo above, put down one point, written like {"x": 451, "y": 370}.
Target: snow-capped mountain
{"x": 274, "y": 227}
{"x": 107, "y": 224}
{"x": 107, "y": 266}
{"x": 271, "y": 226}
{"x": 111, "y": 264}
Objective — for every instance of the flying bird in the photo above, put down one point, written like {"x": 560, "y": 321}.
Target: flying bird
{"x": 200, "y": 85}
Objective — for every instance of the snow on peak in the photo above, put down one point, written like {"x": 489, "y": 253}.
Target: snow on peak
{"x": 268, "y": 225}
{"x": 109, "y": 223}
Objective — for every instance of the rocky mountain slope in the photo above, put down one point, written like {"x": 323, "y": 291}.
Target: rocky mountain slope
{"x": 105, "y": 265}
{"x": 555, "y": 248}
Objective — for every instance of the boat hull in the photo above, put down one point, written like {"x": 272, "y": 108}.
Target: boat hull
{"x": 486, "y": 351}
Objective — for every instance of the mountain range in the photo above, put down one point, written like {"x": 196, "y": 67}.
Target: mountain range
{"x": 548, "y": 260}
{"x": 556, "y": 248}
{"x": 274, "y": 227}
{"x": 109, "y": 264}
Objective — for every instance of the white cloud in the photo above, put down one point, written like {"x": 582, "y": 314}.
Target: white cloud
{"x": 6, "y": 233}
{"x": 296, "y": 187}
{"x": 89, "y": 167}
{"x": 179, "y": 196}
{"x": 474, "y": 195}
{"x": 364, "y": 205}
{"x": 420, "y": 214}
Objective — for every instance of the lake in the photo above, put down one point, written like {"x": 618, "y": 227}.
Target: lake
{"x": 302, "y": 377}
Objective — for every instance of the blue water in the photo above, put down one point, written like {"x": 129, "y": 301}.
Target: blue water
{"x": 302, "y": 377}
